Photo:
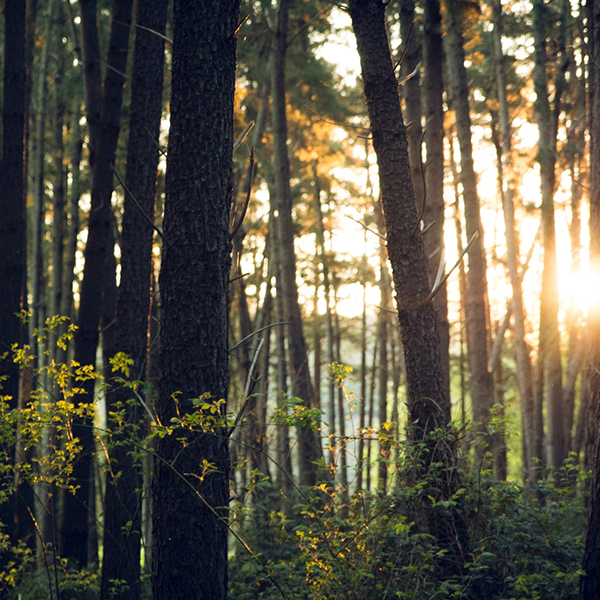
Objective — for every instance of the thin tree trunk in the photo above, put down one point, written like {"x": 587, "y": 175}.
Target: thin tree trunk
{"x": 328, "y": 318}
{"x": 383, "y": 329}
{"x": 363, "y": 374}
{"x": 12, "y": 232}
{"x": 481, "y": 381}
{"x": 103, "y": 128}
{"x": 590, "y": 581}
{"x": 428, "y": 403}
{"x": 309, "y": 446}
{"x": 507, "y": 190}
{"x": 433, "y": 84}
{"x": 122, "y": 510}
{"x": 549, "y": 334}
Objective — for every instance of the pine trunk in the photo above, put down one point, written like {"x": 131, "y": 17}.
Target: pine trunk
{"x": 189, "y": 513}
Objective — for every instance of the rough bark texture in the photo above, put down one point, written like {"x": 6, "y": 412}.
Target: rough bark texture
{"x": 191, "y": 484}
{"x": 12, "y": 226}
{"x": 103, "y": 137}
{"x": 12, "y": 194}
{"x": 433, "y": 88}
{"x": 309, "y": 446}
{"x": 428, "y": 404}
{"x": 481, "y": 382}
{"x": 122, "y": 522}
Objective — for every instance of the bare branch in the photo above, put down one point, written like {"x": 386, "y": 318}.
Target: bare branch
{"x": 436, "y": 289}
{"x": 367, "y": 228}
{"x": 139, "y": 207}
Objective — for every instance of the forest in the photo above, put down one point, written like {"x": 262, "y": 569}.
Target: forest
{"x": 300, "y": 299}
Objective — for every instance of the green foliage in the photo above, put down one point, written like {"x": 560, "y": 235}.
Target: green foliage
{"x": 526, "y": 544}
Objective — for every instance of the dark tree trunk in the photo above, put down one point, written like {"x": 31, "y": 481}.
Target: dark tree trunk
{"x": 309, "y": 445}
{"x": 189, "y": 513}
{"x": 428, "y": 403}
{"x": 12, "y": 195}
{"x": 103, "y": 129}
{"x": 12, "y": 227}
{"x": 122, "y": 522}
{"x": 433, "y": 88}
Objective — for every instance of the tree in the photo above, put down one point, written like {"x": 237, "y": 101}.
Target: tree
{"x": 590, "y": 582}
{"x": 523, "y": 359}
{"x": 549, "y": 358}
{"x": 433, "y": 85}
{"x": 302, "y": 388}
{"x": 190, "y": 515}
{"x": 103, "y": 107}
{"x": 12, "y": 224}
{"x": 482, "y": 384}
{"x": 428, "y": 403}
{"x": 122, "y": 508}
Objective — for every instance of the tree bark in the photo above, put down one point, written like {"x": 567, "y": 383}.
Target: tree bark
{"x": 103, "y": 128}
{"x": 428, "y": 404}
{"x": 481, "y": 382}
{"x": 122, "y": 507}
{"x": 13, "y": 230}
{"x": 309, "y": 446}
{"x": 190, "y": 513}
{"x": 434, "y": 218}
{"x": 523, "y": 358}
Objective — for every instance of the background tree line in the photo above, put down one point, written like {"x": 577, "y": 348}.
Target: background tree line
{"x": 197, "y": 254}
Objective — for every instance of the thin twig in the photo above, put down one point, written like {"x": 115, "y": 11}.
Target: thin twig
{"x": 435, "y": 290}
{"x": 160, "y": 35}
{"x": 440, "y": 271}
{"x": 255, "y": 332}
{"x": 405, "y": 49}
{"x": 251, "y": 170}
{"x": 139, "y": 207}
{"x": 427, "y": 227}
{"x": 385, "y": 309}
{"x": 239, "y": 277}
{"x": 243, "y": 135}
{"x": 336, "y": 123}
{"x": 247, "y": 395}
{"x": 368, "y": 228}
{"x": 410, "y": 75}
{"x": 163, "y": 152}
{"x": 422, "y": 168}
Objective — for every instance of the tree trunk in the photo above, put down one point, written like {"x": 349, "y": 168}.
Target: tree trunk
{"x": 428, "y": 404}
{"x": 122, "y": 509}
{"x": 309, "y": 446}
{"x": 328, "y": 319}
{"x": 523, "y": 358}
{"x": 481, "y": 382}
{"x": 383, "y": 333}
{"x": 190, "y": 514}
{"x": 103, "y": 129}
{"x": 12, "y": 225}
{"x": 549, "y": 334}
{"x": 363, "y": 373}
{"x": 590, "y": 582}
{"x": 433, "y": 84}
